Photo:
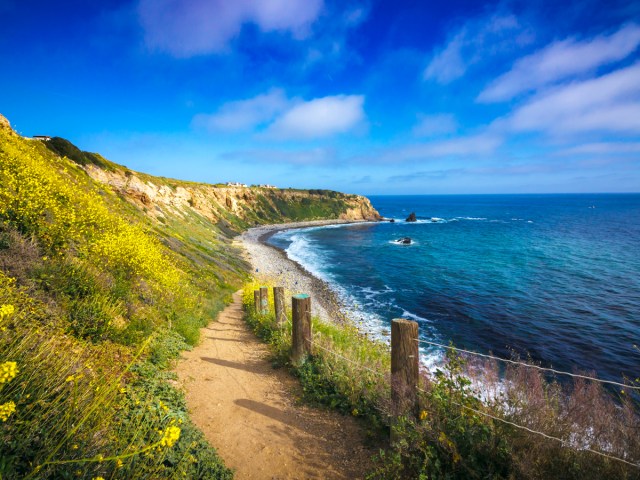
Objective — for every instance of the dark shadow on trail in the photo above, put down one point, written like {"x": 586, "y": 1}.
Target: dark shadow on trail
{"x": 268, "y": 411}
{"x": 226, "y": 339}
{"x": 255, "y": 367}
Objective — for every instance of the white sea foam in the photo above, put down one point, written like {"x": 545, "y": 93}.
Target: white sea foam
{"x": 301, "y": 251}
{"x": 395, "y": 242}
{"x": 415, "y": 317}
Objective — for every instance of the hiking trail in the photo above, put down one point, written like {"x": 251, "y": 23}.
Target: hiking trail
{"x": 248, "y": 410}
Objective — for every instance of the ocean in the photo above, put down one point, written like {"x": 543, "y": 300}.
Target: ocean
{"x": 553, "y": 277}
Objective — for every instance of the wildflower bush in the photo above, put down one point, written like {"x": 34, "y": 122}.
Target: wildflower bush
{"x": 94, "y": 308}
{"x": 39, "y": 200}
{"x": 454, "y": 429}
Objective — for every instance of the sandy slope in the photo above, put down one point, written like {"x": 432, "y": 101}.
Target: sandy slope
{"x": 247, "y": 410}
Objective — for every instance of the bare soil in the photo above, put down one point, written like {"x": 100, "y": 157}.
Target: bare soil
{"x": 249, "y": 411}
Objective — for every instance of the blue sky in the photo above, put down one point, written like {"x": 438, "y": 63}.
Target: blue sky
{"x": 371, "y": 97}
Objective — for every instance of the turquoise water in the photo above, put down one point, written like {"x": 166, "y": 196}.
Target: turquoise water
{"x": 556, "y": 277}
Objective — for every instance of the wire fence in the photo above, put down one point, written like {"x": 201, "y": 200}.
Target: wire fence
{"x": 529, "y": 365}
{"x": 359, "y": 365}
{"x": 542, "y": 434}
{"x": 564, "y": 443}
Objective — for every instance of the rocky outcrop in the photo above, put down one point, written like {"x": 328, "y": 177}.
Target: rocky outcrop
{"x": 412, "y": 217}
{"x": 404, "y": 241}
{"x": 4, "y": 122}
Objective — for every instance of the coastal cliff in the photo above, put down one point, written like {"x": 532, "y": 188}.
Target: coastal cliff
{"x": 239, "y": 206}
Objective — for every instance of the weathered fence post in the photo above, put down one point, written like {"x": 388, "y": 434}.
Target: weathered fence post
{"x": 278, "y": 306}
{"x": 301, "y": 328}
{"x": 404, "y": 367}
{"x": 256, "y": 300}
{"x": 264, "y": 300}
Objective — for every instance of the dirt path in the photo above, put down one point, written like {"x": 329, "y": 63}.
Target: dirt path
{"x": 247, "y": 410}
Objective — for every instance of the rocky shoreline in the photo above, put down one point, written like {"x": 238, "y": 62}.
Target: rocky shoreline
{"x": 271, "y": 263}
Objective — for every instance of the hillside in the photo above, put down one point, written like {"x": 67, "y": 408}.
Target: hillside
{"x": 105, "y": 276}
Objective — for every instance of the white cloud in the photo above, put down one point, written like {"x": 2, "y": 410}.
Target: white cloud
{"x": 321, "y": 117}
{"x": 434, "y": 125}
{"x": 473, "y": 42}
{"x": 610, "y": 103}
{"x": 244, "y": 115}
{"x": 198, "y": 27}
{"x": 562, "y": 60}
{"x": 275, "y": 116}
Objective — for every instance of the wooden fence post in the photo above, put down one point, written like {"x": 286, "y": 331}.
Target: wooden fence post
{"x": 264, "y": 300}
{"x": 278, "y": 305}
{"x": 301, "y": 328}
{"x": 404, "y": 366}
{"x": 256, "y": 300}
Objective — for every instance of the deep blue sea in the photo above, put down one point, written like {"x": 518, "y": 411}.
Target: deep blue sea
{"x": 556, "y": 277}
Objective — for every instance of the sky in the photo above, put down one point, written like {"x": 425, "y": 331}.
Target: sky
{"x": 368, "y": 97}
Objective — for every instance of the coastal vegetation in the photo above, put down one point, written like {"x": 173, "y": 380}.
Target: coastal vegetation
{"x": 106, "y": 275}
{"x": 473, "y": 420}
{"x": 101, "y": 288}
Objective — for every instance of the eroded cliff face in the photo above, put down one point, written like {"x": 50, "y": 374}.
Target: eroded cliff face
{"x": 237, "y": 206}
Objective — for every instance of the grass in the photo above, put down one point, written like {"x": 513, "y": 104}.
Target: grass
{"x": 447, "y": 432}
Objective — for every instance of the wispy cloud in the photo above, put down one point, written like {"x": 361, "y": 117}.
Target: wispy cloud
{"x": 244, "y": 115}
{"x": 448, "y": 64}
{"x": 311, "y": 156}
{"x": 197, "y": 27}
{"x": 470, "y": 44}
{"x": 562, "y": 60}
{"x": 434, "y": 125}
{"x": 610, "y": 103}
{"x": 480, "y": 144}
{"x": 465, "y": 147}
{"x": 319, "y": 118}
{"x": 609, "y": 148}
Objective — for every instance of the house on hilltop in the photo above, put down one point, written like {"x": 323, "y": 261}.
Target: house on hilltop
{"x": 43, "y": 138}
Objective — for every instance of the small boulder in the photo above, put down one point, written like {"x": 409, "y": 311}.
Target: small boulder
{"x": 404, "y": 241}
{"x": 412, "y": 217}
{"x": 393, "y": 220}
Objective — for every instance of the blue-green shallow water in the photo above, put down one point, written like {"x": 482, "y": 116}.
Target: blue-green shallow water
{"x": 553, "y": 276}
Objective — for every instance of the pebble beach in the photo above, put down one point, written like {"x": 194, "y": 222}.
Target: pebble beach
{"x": 269, "y": 263}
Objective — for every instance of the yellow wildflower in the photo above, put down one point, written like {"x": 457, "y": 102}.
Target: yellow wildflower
{"x": 6, "y": 409}
{"x": 119, "y": 463}
{"x": 97, "y": 478}
{"x": 170, "y": 436}
{"x": 8, "y": 371}
{"x": 6, "y": 310}
{"x": 423, "y": 415}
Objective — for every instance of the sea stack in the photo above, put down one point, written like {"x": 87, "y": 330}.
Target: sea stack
{"x": 411, "y": 217}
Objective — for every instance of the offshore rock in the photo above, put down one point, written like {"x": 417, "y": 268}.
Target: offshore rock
{"x": 404, "y": 241}
{"x": 412, "y": 217}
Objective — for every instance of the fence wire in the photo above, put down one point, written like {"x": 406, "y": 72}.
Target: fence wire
{"x": 529, "y": 365}
{"x": 542, "y": 434}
